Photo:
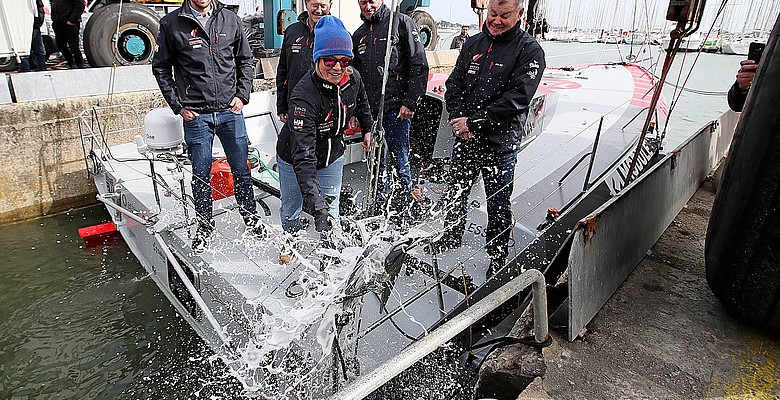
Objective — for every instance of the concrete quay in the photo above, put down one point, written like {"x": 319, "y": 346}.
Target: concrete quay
{"x": 41, "y": 145}
{"x": 662, "y": 335}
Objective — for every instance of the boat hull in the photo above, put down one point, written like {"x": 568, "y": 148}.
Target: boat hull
{"x": 267, "y": 313}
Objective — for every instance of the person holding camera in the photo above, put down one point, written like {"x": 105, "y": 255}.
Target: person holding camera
{"x": 739, "y": 90}
{"x": 747, "y": 72}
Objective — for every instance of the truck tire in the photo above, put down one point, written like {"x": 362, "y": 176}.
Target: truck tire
{"x": 429, "y": 35}
{"x": 742, "y": 247}
{"x": 133, "y": 45}
{"x": 7, "y": 64}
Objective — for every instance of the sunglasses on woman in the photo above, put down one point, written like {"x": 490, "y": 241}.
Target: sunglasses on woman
{"x": 331, "y": 62}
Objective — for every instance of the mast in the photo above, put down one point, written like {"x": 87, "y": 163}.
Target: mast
{"x": 747, "y": 17}
{"x": 687, "y": 14}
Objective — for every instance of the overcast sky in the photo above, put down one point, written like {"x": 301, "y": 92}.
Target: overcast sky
{"x": 620, "y": 14}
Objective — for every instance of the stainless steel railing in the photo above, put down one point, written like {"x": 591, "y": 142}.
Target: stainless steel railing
{"x": 366, "y": 384}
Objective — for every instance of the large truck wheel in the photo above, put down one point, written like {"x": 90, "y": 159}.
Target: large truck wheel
{"x": 133, "y": 45}
{"x": 429, "y": 35}
{"x": 7, "y": 64}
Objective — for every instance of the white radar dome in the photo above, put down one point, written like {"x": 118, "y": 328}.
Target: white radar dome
{"x": 163, "y": 129}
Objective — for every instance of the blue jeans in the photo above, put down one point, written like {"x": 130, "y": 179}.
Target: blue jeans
{"x": 231, "y": 131}
{"x": 498, "y": 172}
{"x": 397, "y": 138}
{"x": 292, "y": 200}
{"x": 37, "y": 54}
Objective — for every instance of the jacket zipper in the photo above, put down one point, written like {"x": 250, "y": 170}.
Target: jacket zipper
{"x": 209, "y": 35}
{"x": 338, "y": 124}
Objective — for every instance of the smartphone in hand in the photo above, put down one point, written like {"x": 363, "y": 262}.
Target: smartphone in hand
{"x": 755, "y": 50}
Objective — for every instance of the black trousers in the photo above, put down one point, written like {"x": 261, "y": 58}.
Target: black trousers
{"x": 67, "y": 37}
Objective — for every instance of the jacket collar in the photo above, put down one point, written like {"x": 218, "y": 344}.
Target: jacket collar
{"x": 504, "y": 36}
{"x": 321, "y": 82}
{"x": 186, "y": 9}
{"x": 381, "y": 13}
{"x": 304, "y": 19}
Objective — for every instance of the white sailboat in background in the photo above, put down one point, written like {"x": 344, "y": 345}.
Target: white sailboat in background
{"x": 691, "y": 43}
{"x": 739, "y": 43}
{"x": 636, "y": 38}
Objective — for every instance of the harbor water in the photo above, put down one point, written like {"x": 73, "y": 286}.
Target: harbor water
{"x": 81, "y": 321}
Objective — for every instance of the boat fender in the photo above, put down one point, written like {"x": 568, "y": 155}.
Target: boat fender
{"x": 106, "y": 228}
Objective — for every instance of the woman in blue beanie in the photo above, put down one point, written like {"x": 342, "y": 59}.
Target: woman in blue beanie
{"x": 310, "y": 147}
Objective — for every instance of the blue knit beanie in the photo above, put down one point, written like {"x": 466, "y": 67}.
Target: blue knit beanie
{"x": 331, "y": 38}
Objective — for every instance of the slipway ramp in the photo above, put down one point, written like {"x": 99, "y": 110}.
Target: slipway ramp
{"x": 609, "y": 243}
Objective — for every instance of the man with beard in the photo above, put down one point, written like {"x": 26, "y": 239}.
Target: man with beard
{"x": 203, "y": 66}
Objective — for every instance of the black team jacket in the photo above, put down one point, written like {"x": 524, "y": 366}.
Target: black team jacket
{"x": 67, "y": 10}
{"x": 408, "y": 77}
{"x": 295, "y": 61}
{"x": 211, "y": 65}
{"x": 736, "y": 97}
{"x": 492, "y": 84}
{"x": 313, "y": 136}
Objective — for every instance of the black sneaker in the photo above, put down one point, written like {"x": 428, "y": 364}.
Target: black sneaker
{"x": 203, "y": 236}
{"x": 448, "y": 241}
{"x": 255, "y": 226}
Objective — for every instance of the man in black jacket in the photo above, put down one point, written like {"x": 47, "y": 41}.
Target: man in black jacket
{"x": 296, "y": 58}
{"x": 66, "y": 23}
{"x": 487, "y": 97}
{"x": 457, "y": 41}
{"x": 406, "y": 83}
{"x": 203, "y": 66}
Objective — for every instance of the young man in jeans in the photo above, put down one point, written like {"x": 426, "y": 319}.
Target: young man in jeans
{"x": 204, "y": 69}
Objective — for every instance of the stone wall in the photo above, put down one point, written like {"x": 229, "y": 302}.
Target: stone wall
{"x": 40, "y": 143}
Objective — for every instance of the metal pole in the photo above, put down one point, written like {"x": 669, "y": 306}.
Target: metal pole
{"x": 366, "y": 384}
{"x": 375, "y": 159}
{"x": 439, "y": 293}
{"x": 154, "y": 182}
{"x": 105, "y": 200}
{"x": 586, "y": 185}
{"x": 190, "y": 288}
